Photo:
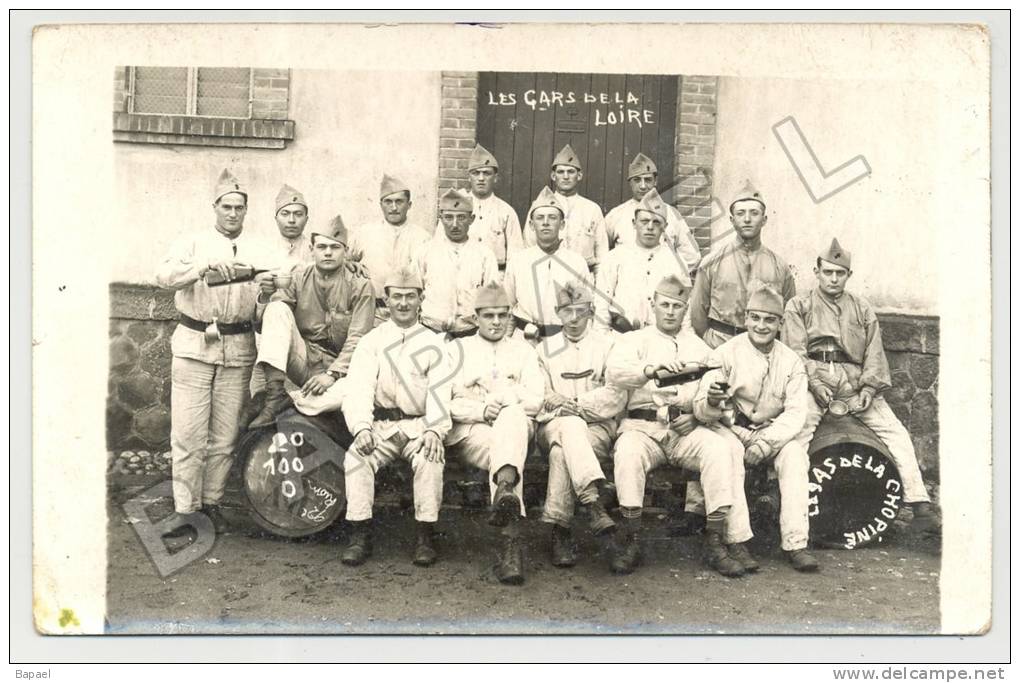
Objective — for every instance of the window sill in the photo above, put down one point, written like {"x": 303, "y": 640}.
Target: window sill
{"x": 163, "y": 129}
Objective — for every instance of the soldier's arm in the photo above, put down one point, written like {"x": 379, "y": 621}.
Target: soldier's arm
{"x": 438, "y": 418}
{"x": 795, "y": 336}
{"x": 700, "y": 301}
{"x": 362, "y": 319}
{"x": 686, "y": 246}
{"x": 530, "y": 392}
{"x": 703, "y": 410}
{"x": 788, "y": 423}
{"x": 464, "y": 407}
{"x": 875, "y": 373}
{"x": 181, "y": 268}
{"x": 510, "y": 281}
{"x": 359, "y": 398}
{"x": 605, "y": 286}
{"x": 514, "y": 238}
{"x": 625, "y": 367}
{"x": 601, "y": 238}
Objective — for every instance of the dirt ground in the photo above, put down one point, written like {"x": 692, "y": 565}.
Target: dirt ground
{"x": 251, "y": 582}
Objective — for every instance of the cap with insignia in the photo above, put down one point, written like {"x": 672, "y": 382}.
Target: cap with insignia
{"x": 764, "y": 298}
{"x": 673, "y": 287}
{"x": 336, "y": 231}
{"x": 226, "y": 184}
{"x": 404, "y": 277}
{"x": 640, "y": 166}
{"x": 748, "y": 191}
{"x": 491, "y": 295}
{"x": 454, "y": 200}
{"x": 567, "y": 157}
{"x": 572, "y": 293}
{"x": 391, "y": 185}
{"x": 546, "y": 198}
{"x": 653, "y": 203}
{"x": 481, "y": 158}
{"x": 288, "y": 195}
{"x": 836, "y": 255}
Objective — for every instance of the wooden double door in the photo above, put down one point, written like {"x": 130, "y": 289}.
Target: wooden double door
{"x": 524, "y": 119}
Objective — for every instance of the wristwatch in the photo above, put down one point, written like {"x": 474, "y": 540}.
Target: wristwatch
{"x": 333, "y": 373}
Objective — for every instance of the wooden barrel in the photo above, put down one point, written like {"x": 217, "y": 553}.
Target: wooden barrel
{"x": 293, "y": 474}
{"x": 855, "y": 489}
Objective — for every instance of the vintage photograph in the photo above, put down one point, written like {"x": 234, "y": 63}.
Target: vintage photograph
{"x": 560, "y": 353}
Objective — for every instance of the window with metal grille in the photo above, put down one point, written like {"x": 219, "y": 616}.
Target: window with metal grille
{"x": 191, "y": 91}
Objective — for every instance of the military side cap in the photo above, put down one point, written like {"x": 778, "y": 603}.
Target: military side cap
{"x": 653, "y": 203}
{"x": 567, "y": 157}
{"x": 391, "y": 185}
{"x": 836, "y": 255}
{"x": 640, "y": 166}
{"x": 288, "y": 195}
{"x": 336, "y": 231}
{"x": 546, "y": 198}
{"x": 491, "y": 295}
{"x": 572, "y": 293}
{"x": 481, "y": 158}
{"x": 455, "y": 200}
{"x": 672, "y": 287}
{"x": 226, "y": 184}
{"x": 748, "y": 191}
{"x": 764, "y": 298}
{"x": 405, "y": 277}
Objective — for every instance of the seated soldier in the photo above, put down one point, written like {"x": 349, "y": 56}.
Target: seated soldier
{"x": 395, "y": 406}
{"x": 497, "y": 391}
{"x": 311, "y": 326}
{"x": 453, "y": 267}
{"x": 837, "y": 336}
{"x": 577, "y": 425}
{"x": 660, "y": 428}
{"x": 768, "y": 387}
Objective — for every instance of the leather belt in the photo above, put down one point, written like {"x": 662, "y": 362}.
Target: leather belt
{"x": 501, "y": 266}
{"x": 741, "y": 420}
{"x": 434, "y": 325}
{"x": 224, "y": 328}
{"x": 543, "y": 330}
{"x": 719, "y": 326}
{"x": 394, "y": 414}
{"x": 643, "y": 414}
{"x": 834, "y": 356}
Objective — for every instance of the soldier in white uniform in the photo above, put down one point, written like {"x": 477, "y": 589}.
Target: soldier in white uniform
{"x": 496, "y": 224}
{"x": 453, "y": 267}
{"x": 535, "y": 274}
{"x": 642, "y": 175}
{"x": 396, "y": 406}
{"x": 768, "y": 392}
{"x": 584, "y": 226}
{"x": 291, "y": 219}
{"x": 836, "y": 334}
{"x": 392, "y": 243}
{"x": 497, "y": 391}
{"x": 213, "y": 350}
{"x": 577, "y": 425}
{"x": 660, "y": 428}
{"x": 628, "y": 278}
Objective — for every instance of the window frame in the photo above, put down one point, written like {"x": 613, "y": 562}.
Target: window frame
{"x": 191, "y": 93}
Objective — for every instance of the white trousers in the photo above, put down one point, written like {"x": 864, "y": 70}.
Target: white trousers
{"x": 880, "y": 418}
{"x": 359, "y": 479}
{"x": 492, "y": 447}
{"x": 575, "y": 449}
{"x": 205, "y": 410}
{"x": 715, "y": 452}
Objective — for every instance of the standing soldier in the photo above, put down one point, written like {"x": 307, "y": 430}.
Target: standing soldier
{"x": 453, "y": 267}
{"x": 836, "y": 334}
{"x": 577, "y": 425}
{"x": 497, "y": 391}
{"x": 396, "y": 407}
{"x": 584, "y": 227}
{"x": 311, "y": 327}
{"x": 495, "y": 225}
{"x": 291, "y": 217}
{"x": 213, "y": 351}
{"x": 631, "y": 272}
{"x": 660, "y": 428}
{"x": 768, "y": 387}
{"x": 642, "y": 175}
{"x": 386, "y": 245}
{"x": 535, "y": 274}
{"x": 720, "y": 289}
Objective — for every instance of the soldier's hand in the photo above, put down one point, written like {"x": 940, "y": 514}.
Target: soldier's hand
{"x": 864, "y": 399}
{"x": 490, "y": 413}
{"x": 755, "y": 453}
{"x": 432, "y": 447}
{"x": 716, "y": 395}
{"x": 822, "y": 394}
{"x": 554, "y": 401}
{"x": 225, "y": 268}
{"x": 265, "y": 283}
{"x": 683, "y": 424}
{"x": 364, "y": 441}
{"x": 357, "y": 268}
{"x": 531, "y": 331}
{"x": 317, "y": 384}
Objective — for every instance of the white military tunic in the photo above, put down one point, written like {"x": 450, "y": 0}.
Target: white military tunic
{"x": 452, "y": 273}
{"x": 386, "y": 248}
{"x": 628, "y": 279}
{"x": 533, "y": 278}
{"x": 584, "y": 229}
{"x": 677, "y": 235}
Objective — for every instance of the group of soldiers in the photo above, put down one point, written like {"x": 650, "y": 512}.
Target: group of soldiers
{"x": 608, "y": 342}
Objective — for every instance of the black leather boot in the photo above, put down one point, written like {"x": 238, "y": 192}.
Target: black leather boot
{"x": 275, "y": 401}
{"x": 563, "y": 554}
{"x": 716, "y": 556}
{"x": 506, "y": 506}
{"x": 511, "y": 562}
{"x": 626, "y": 548}
{"x": 359, "y": 545}
{"x": 425, "y": 551}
